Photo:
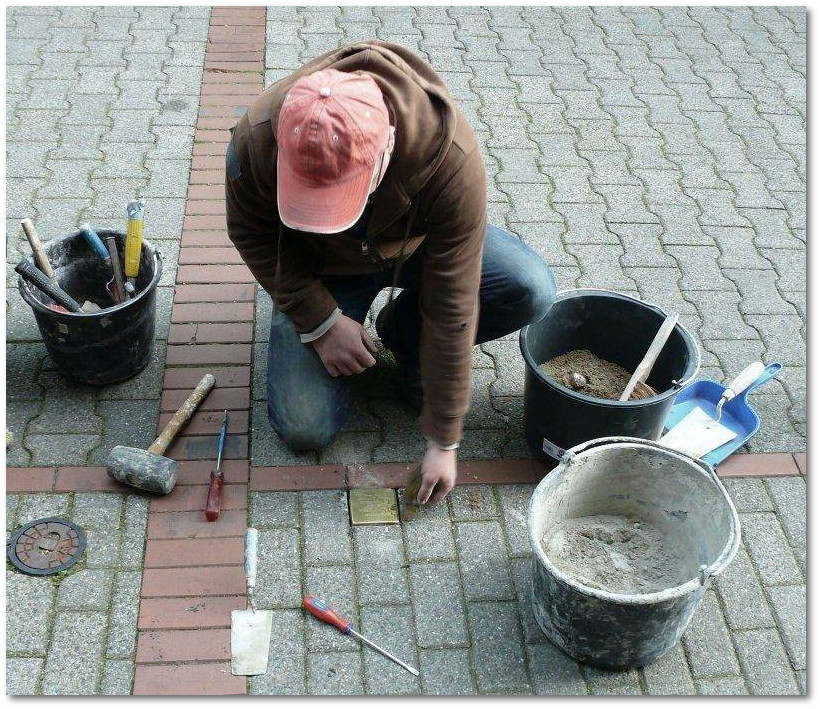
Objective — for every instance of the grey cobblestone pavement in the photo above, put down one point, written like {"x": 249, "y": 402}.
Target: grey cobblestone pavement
{"x": 76, "y": 633}
{"x": 101, "y": 104}
{"x": 657, "y": 152}
{"x": 449, "y": 593}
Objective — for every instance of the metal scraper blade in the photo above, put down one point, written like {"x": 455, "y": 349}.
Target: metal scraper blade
{"x": 697, "y": 434}
{"x": 250, "y": 641}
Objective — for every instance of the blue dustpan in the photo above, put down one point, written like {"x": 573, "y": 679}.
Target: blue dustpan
{"x": 738, "y": 415}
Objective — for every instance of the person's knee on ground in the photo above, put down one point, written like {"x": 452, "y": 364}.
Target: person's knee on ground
{"x": 531, "y": 295}
{"x": 307, "y": 432}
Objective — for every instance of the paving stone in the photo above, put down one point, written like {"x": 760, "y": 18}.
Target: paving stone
{"x": 266, "y": 446}
{"x": 335, "y": 673}
{"x": 118, "y": 678}
{"x": 326, "y": 524}
{"x": 472, "y": 502}
{"x": 732, "y": 686}
{"x": 381, "y": 565}
{"x": 514, "y": 501}
{"x": 287, "y": 657}
{"x": 61, "y": 449}
{"x": 393, "y": 625}
{"x": 553, "y": 672}
{"x": 437, "y": 600}
{"x": 102, "y": 547}
{"x": 127, "y": 423}
{"x": 279, "y": 582}
{"x": 789, "y": 606}
{"x": 86, "y": 590}
{"x": 429, "y": 536}
{"x": 789, "y": 495}
{"x": 97, "y": 510}
{"x": 498, "y": 653}
{"x": 769, "y": 548}
{"x": 610, "y": 682}
{"x": 336, "y": 582}
{"x": 122, "y": 632}
{"x": 745, "y": 606}
{"x": 73, "y": 664}
{"x": 40, "y": 506}
{"x": 132, "y": 547}
{"x": 707, "y": 641}
{"x": 765, "y": 663}
{"x": 483, "y": 564}
{"x": 669, "y": 674}
{"x": 274, "y": 509}
{"x": 446, "y": 672}
{"x": 22, "y": 675}
{"x": 32, "y": 599}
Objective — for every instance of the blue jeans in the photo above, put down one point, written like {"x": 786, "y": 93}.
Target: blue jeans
{"x": 307, "y": 407}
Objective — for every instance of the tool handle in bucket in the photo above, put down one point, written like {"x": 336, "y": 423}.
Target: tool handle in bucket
{"x": 94, "y": 241}
{"x": 37, "y": 249}
{"x": 36, "y": 277}
{"x": 251, "y": 553}
{"x": 133, "y": 239}
{"x": 645, "y": 366}
{"x": 184, "y": 412}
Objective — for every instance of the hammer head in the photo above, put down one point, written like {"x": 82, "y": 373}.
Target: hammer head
{"x": 142, "y": 469}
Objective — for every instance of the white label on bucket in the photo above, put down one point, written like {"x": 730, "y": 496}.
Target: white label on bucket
{"x": 552, "y": 450}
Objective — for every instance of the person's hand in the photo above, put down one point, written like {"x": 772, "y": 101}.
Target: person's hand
{"x": 346, "y": 348}
{"x": 438, "y": 474}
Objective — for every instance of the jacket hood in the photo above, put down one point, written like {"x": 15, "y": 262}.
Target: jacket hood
{"x": 421, "y": 109}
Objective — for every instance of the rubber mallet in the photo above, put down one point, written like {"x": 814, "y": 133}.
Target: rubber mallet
{"x": 150, "y": 470}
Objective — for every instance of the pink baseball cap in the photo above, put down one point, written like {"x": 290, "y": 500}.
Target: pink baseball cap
{"x": 332, "y": 128}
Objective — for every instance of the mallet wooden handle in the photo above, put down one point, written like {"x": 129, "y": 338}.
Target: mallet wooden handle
{"x": 37, "y": 249}
{"x": 184, "y": 412}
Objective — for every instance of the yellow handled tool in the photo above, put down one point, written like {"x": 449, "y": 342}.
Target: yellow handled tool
{"x": 133, "y": 242}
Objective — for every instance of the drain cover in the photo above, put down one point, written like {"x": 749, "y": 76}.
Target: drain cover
{"x": 46, "y": 546}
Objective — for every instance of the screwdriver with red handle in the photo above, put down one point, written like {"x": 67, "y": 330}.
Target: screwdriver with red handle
{"x": 214, "y": 500}
{"x": 323, "y": 612}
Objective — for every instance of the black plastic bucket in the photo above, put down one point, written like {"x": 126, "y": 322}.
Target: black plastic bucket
{"x": 105, "y": 347}
{"x": 619, "y": 329}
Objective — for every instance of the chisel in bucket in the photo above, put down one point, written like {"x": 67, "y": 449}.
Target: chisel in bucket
{"x": 33, "y": 275}
{"x": 214, "y": 500}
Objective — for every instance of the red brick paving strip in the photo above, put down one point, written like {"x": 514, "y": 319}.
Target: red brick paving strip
{"x": 326, "y": 477}
{"x": 182, "y": 631}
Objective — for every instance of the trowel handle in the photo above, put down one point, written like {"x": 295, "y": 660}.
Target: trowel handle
{"x": 29, "y": 272}
{"x": 184, "y": 412}
{"x": 251, "y": 552}
{"x": 37, "y": 249}
{"x": 743, "y": 380}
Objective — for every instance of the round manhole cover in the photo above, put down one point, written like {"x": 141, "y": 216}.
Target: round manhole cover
{"x": 46, "y": 546}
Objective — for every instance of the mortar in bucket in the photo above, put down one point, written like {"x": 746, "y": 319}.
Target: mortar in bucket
{"x": 619, "y": 329}
{"x": 101, "y": 347}
{"x": 665, "y": 497}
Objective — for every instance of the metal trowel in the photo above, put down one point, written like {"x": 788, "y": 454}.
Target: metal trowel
{"x": 700, "y": 431}
{"x": 251, "y": 628}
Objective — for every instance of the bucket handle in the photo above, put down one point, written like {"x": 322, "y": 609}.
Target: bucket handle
{"x": 705, "y": 573}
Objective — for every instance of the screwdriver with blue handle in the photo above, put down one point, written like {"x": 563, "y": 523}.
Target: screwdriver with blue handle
{"x": 214, "y": 501}
{"x": 323, "y": 612}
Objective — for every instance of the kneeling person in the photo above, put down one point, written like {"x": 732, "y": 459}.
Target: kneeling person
{"x": 356, "y": 173}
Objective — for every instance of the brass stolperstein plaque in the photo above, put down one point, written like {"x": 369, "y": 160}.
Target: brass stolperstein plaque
{"x": 373, "y": 506}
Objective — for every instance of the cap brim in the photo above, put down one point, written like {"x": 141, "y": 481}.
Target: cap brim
{"x": 323, "y": 209}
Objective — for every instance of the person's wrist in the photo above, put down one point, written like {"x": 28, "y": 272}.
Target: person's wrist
{"x": 435, "y": 447}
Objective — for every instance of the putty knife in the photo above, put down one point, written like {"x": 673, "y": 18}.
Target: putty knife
{"x": 700, "y": 431}
{"x": 251, "y": 628}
